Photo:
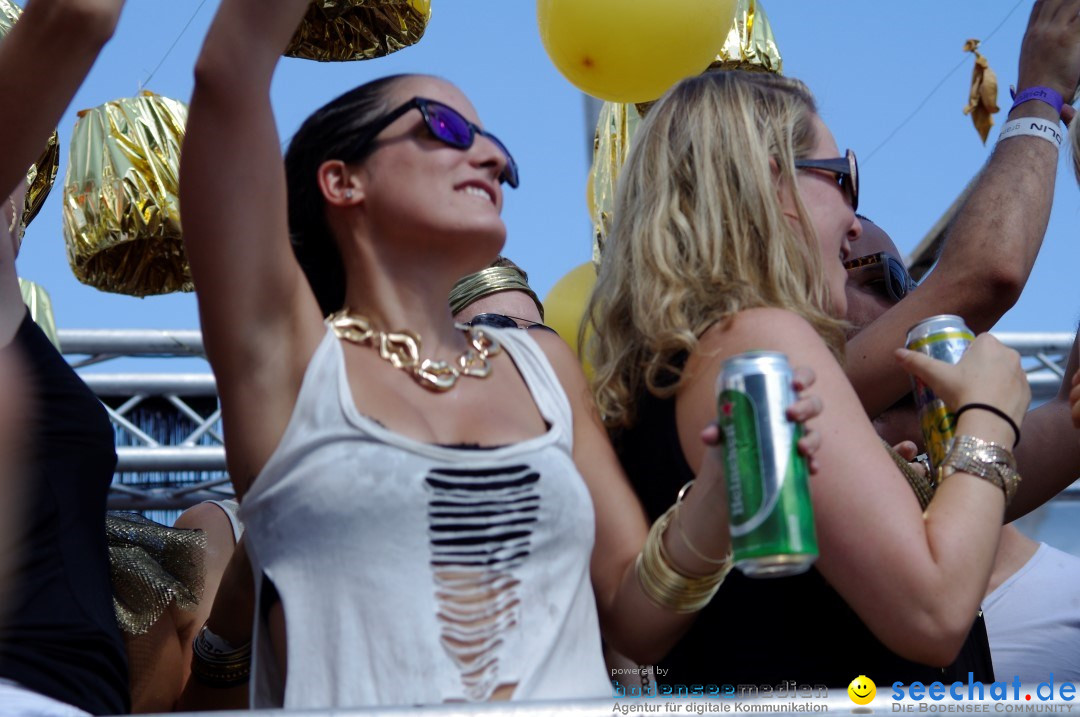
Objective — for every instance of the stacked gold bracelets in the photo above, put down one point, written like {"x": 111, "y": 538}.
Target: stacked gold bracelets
{"x": 665, "y": 585}
{"x": 216, "y": 663}
{"x": 990, "y": 461}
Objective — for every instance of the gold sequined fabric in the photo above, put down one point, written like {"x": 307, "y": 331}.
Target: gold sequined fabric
{"x": 42, "y": 173}
{"x": 151, "y": 566}
{"x": 345, "y": 30}
{"x": 920, "y": 484}
{"x": 121, "y": 203}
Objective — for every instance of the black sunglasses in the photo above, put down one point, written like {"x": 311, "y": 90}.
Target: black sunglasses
{"x": 845, "y": 168}
{"x": 502, "y": 321}
{"x": 893, "y": 277}
{"x": 446, "y": 125}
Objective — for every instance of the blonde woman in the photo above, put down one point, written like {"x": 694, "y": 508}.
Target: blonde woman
{"x": 730, "y": 240}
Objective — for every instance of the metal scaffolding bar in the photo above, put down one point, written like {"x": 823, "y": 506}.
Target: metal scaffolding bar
{"x": 168, "y": 425}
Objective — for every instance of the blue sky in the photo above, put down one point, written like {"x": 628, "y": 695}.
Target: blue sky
{"x": 869, "y": 63}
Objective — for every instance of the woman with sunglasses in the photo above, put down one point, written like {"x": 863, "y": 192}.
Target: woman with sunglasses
{"x": 421, "y": 501}
{"x": 733, "y": 240}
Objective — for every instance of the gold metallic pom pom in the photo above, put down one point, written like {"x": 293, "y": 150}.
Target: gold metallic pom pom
{"x": 121, "y": 209}
{"x": 750, "y": 45}
{"x": 342, "y": 30}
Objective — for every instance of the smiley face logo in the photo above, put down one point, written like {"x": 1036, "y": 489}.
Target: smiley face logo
{"x": 862, "y": 690}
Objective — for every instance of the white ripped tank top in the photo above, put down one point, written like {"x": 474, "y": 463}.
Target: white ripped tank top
{"x": 412, "y": 573}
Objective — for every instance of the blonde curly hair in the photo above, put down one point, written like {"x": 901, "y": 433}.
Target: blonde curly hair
{"x": 699, "y": 233}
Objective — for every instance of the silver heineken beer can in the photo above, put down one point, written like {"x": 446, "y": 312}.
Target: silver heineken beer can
{"x": 945, "y": 337}
{"x": 772, "y": 519}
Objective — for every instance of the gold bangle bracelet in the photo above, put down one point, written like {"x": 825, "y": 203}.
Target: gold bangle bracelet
{"x": 216, "y": 668}
{"x": 663, "y": 584}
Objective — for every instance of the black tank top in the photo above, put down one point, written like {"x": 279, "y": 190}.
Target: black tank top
{"x": 58, "y": 635}
{"x": 768, "y": 631}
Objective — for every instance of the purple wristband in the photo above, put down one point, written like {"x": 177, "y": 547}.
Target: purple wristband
{"x": 1042, "y": 94}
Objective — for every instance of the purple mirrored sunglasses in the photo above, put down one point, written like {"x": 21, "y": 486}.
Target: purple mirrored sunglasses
{"x": 448, "y": 126}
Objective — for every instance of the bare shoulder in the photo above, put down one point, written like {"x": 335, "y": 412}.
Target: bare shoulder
{"x": 204, "y": 516}
{"x": 568, "y": 370}
{"x": 762, "y": 329}
{"x": 563, "y": 359}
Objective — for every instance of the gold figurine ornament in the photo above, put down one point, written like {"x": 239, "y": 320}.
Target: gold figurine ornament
{"x": 982, "y": 98}
{"x": 121, "y": 211}
{"x": 346, "y": 30}
{"x": 42, "y": 174}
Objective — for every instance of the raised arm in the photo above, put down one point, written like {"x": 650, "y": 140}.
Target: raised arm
{"x": 43, "y": 61}
{"x": 915, "y": 580}
{"x": 259, "y": 318}
{"x": 1049, "y": 455}
{"x": 992, "y": 246}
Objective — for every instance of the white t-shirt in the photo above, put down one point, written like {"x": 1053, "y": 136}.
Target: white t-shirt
{"x": 412, "y": 573}
{"x": 1033, "y": 619}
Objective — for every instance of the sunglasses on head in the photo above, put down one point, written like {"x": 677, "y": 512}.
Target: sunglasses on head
{"x": 882, "y": 270}
{"x": 448, "y": 126}
{"x": 502, "y": 321}
{"x": 846, "y": 170}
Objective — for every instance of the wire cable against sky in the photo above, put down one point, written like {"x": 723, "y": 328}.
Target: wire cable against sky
{"x": 164, "y": 57}
{"x": 937, "y": 87}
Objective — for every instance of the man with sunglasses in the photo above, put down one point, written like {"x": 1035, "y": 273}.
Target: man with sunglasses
{"x": 877, "y": 280}
{"x": 995, "y": 238}
{"x": 1029, "y": 610}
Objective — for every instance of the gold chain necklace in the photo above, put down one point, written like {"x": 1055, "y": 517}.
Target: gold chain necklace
{"x": 402, "y": 350}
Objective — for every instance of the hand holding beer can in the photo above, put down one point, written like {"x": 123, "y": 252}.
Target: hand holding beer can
{"x": 772, "y": 519}
{"x": 945, "y": 337}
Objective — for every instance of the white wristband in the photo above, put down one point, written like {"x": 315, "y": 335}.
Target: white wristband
{"x": 1032, "y": 127}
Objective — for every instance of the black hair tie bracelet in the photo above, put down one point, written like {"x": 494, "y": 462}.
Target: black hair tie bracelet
{"x": 997, "y": 412}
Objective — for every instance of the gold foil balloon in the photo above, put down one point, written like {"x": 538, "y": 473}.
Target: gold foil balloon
{"x": 121, "y": 209}
{"x": 42, "y": 173}
{"x": 632, "y": 50}
{"x": 564, "y": 306}
{"x": 343, "y": 30}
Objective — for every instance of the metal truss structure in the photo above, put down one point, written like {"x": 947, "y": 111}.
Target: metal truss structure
{"x": 168, "y": 425}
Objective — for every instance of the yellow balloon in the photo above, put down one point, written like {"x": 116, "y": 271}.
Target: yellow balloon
{"x": 564, "y": 306}
{"x": 632, "y": 50}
